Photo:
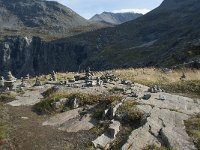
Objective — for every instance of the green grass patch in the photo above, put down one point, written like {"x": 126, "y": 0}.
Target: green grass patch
{"x": 7, "y": 96}
{"x": 4, "y": 127}
{"x": 193, "y": 129}
{"x": 3, "y": 133}
{"x": 190, "y": 87}
{"x": 85, "y": 99}
{"x": 129, "y": 112}
{"x": 154, "y": 147}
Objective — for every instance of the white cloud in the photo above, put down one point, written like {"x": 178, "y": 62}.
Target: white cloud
{"x": 142, "y": 11}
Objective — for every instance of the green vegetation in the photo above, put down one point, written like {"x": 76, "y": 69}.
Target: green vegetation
{"x": 121, "y": 137}
{"x": 85, "y": 99}
{"x": 154, "y": 147}
{"x": 130, "y": 113}
{"x": 7, "y": 96}
{"x": 3, "y": 133}
{"x": 190, "y": 87}
{"x": 193, "y": 129}
{"x": 3, "y": 125}
{"x": 100, "y": 128}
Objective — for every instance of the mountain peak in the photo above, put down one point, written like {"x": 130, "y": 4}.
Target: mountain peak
{"x": 114, "y": 18}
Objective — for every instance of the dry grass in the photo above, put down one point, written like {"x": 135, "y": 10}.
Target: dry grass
{"x": 148, "y": 76}
{"x": 168, "y": 81}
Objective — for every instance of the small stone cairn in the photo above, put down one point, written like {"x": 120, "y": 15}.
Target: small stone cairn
{"x": 2, "y": 82}
{"x": 155, "y": 89}
{"x": 53, "y": 76}
{"x": 9, "y": 82}
{"x": 37, "y": 82}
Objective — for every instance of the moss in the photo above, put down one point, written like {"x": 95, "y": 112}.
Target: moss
{"x": 193, "y": 129}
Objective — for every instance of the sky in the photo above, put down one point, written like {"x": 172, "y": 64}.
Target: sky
{"x": 88, "y": 8}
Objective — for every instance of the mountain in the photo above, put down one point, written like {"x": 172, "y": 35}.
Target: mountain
{"x": 115, "y": 18}
{"x": 40, "y": 16}
{"x": 166, "y": 36}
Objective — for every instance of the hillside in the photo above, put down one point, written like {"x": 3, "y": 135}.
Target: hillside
{"x": 115, "y": 18}
{"x": 167, "y": 36}
{"x": 40, "y": 18}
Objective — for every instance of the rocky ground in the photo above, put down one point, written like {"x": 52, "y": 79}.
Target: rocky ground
{"x": 140, "y": 117}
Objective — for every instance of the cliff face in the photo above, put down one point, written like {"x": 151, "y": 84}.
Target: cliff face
{"x": 24, "y": 55}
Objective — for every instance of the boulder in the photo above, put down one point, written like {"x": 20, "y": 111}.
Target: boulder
{"x": 146, "y": 96}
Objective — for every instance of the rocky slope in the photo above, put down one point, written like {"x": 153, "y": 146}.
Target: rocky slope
{"x": 167, "y": 36}
{"x": 115, "y": 18}
{"x": 40, "y": 17}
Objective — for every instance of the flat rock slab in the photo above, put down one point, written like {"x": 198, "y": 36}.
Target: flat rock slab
{"x": 28, "y": 99}
{"x": 78, "y": 124}
{"x": 162, "y": 125}
{"x": 59, "y": 119}
{"x": 173, "y": 102}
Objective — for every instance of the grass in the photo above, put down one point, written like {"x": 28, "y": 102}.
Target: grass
{"x": 129, "y": 112}
{"x": 121, "y": 137}
{"x": 3, "y": 125}
{"x": 7, "y": 96}
{"x": 193, "y": 129}
{"x": 170, "y": 82}
{"x": 85, "y": 99}
{"x": 154, "y": 147}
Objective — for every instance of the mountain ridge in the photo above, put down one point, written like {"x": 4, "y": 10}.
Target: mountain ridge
{"x": 115, "y": 18}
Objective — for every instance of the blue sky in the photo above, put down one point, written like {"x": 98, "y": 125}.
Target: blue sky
{"x": 87, "y": 8}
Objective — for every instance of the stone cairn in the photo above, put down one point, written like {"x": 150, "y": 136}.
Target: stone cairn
{"x": 27, "y": 77}
{"x": 23, "y": 84}
{"x": 37, "y": 82}
{"x": 108, "y": 77}
{"x": 2, "y": 82}
{"x": 155, "y": 89}
{"x": 89, "y": 78}
{"x": 53, "y": 76}
{"x": 183, "y": 77}
{"x": 9, "y": 82}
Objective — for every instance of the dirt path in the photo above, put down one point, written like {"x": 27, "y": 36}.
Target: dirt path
{"x": 29, "y": 134}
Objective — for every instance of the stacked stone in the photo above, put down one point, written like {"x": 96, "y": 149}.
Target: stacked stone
{"x": 155, "y": 89}
{"x": 10, "y": 80}
{"x": 2, "y": 82}
{"x": 53, "y": 76}
{"x": 23, "y": 84}
{"x": 37, "y": 82}
{"x": 109, "y": 78}
{"x": 89, "y": 78}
